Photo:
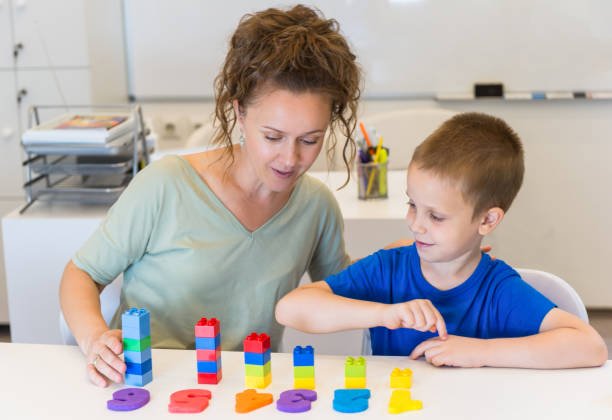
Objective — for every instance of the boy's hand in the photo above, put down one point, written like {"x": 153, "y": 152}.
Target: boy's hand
{"x": 104, "y": 365}
{"x": 454, "y": 351}
{"x": 418, "y": 314}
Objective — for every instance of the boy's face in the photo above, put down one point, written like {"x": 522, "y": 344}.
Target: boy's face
{"x": 440, "y": 218}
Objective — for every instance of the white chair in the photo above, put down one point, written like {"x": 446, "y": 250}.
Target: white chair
{"x": 554, "y": 288}
{"x": 109, "y": 302}
{"x": 557, "y": 290}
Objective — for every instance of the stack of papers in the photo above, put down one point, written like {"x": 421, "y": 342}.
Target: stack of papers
{"x": 81, "y": 129}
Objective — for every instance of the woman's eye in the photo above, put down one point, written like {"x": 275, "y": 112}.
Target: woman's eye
{"x": 310, "y": 141}
{"x": 411, "y": 204}
{"x": 273, "y": 138}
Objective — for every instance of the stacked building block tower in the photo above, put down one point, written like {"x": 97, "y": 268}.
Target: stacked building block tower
{"x": 208, "y": 350}
{"x": 303, "y": 368}
{"x": 257, "y": 363}
{"x": 355, "y": 372}
{"x": 136, "y": 330}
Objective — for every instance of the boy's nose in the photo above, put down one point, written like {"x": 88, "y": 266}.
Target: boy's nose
{"x": 414, "y": 223}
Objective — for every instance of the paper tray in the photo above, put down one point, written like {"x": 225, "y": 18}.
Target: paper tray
{"x": 84, "y": 189}
{"x": 82, "y": 165}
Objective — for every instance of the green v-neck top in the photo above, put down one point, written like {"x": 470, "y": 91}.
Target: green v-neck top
{"x": 184, "y": 255}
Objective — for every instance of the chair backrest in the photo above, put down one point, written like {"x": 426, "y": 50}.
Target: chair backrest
{"x": 553, "y": 287}
{"x": 557, "y": 290}
{"x": 109, "y": 302}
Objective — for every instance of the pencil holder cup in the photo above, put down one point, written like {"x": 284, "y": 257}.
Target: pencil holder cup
{"x": 372, "y": 180}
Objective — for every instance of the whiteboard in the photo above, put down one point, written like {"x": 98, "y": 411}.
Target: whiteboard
{"x": 407, "y": 48}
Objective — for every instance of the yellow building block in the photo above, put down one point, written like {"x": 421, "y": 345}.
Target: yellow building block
{"x": 304, "y": 383}
{"x": 258, "y": 381}
{"x": 354, "y": 382}
{"x": 401, "y": 401}
{"x": 401, "y": 378}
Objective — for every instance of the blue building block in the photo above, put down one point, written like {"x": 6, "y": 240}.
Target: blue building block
{"x": 138, "y": 380}
{"x": 351, "y": 400}
{"x": 209, "y": 367}
{"x": 137, "y": 322}
{"x": 206, "y": 343}
{"x": 303, "y": 356}
{"x": 139, "y": 368}
{"x": 137, "y": 356}
{"x": 257, "y": 358}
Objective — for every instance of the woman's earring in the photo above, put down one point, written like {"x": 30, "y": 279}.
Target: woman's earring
{"x": 241, "y": 139}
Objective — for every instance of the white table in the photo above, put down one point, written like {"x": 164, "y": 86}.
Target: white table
{"x": 48, "y": 381}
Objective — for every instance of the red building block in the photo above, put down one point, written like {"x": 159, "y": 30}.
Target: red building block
{"x": 207, "y": 328}
{"x": 255, "y": 343}
{"x": 208, "y": 355}
{"x": 210, "y": 378}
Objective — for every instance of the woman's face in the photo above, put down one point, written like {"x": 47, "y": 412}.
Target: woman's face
{"x": 284, "y": 133}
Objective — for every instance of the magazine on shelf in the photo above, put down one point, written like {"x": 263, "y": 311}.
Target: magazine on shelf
{"x": 81, "y": 128}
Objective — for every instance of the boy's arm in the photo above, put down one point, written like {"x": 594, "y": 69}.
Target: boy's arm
{"x": 314, "y": 308}
{"x": 564, "y": 341}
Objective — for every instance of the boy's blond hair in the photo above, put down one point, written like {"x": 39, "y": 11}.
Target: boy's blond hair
{"x": 479, "y": 152}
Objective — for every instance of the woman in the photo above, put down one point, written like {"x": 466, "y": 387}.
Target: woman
{"x": 228, "y": 232}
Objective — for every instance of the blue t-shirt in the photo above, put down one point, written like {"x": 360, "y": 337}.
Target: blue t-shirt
{"x": 494, "y": 302}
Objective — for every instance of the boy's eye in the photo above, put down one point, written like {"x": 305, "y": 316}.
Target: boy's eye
{"x": 436, "y": 218}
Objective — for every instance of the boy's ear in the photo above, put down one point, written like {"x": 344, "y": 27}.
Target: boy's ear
{"x": 490, "y": 220}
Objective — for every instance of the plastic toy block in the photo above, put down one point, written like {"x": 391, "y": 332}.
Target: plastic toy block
{"x": 208, "y": 355}
{"x": 208, "y": 367}
{"x": 139, "y": 368}
{"x": 131, "y": 344}
{"x": 256, "y": 343}
{"x": 258, "y": 381}
{"x": 135, "y": 333}
{"x": 258, "y": 370}
{"x": 138, "y": 380}
{"x": 401, "y": 378}
{"x": 250, "y": 400}
{"x": 207, "y": 327}
{"x": 351, "y": 400}
{"x": 138, "y": 319}
{"x": 355, "y": 367}
{"x": 189, "y": 401}
{"x": 353, "y": 383}
{"x": 296, "y": 400}
{"x": 210, "y": 378}
{"x": 303, "y": 372}
{"x": 257, "y": 358}
{"x": 401, "y": 401}
{"x": 208, "y": 343}
{"x": 303, "y": 356}
{"x": 304, "y": 383}
{"x": 128, "y": 399}
{"x": 130, "y": 356}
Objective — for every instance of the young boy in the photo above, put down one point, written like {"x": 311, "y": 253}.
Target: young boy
{"x": 441, "y": 297}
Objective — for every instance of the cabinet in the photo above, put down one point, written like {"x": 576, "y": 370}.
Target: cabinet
{"x": 44, "y": 60}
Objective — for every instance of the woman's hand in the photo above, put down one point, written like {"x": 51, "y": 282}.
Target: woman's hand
{"x": 418, "y": 314}
{"x": 103, "y": 363}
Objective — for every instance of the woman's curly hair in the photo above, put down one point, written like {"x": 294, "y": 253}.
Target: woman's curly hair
{"x": 298, "y": 50}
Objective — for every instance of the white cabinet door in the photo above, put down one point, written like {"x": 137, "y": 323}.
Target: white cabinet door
{"x": 53, "y": 33}
{"x": 11, "y": 178}
{"x": 6, "y": 36}
{"x": 53, "y": 87}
